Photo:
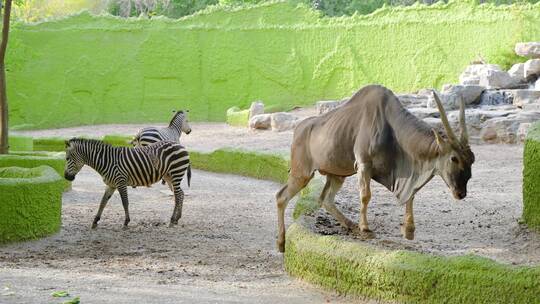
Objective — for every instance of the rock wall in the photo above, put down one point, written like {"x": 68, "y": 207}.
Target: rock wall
{"x": 92, "y": 70}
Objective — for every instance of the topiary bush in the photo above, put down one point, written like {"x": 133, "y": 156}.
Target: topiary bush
{"x": 55, "y": 160}
{"x": 21, "y": 143}
{"x": 237, "y": 117}
{"x": 531, "y": 178}
{"x": 30, "y": 204}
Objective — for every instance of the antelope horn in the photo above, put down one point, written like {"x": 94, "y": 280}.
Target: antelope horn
{"x": 444, "y": 119}
{"x": 462, "y": 124}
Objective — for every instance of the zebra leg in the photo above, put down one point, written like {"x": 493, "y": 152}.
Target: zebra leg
{"x": 178, "y": 203}
{"x": 125, "y": 203}
{"x": 106, "y": 196}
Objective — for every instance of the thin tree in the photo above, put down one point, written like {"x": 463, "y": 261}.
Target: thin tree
{"x": 4, "y": 146}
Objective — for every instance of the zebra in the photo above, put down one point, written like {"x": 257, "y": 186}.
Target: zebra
{"x": 178, "y": 124}
{"x": 121, "y": 167}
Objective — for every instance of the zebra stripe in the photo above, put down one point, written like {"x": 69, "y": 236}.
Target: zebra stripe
{"x": 177, "y": 125}
{"x": 121, "y": 167}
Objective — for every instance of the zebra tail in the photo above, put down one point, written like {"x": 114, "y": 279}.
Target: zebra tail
{"x": 189, "y": 175}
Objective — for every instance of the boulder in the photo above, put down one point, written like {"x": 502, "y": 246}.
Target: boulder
{"x": 522, "y": 131}
{"x": 435, "y": 123}
{"x": 493, "y": 79}
{"x": 528, "y": 49}
{"x": 413, "y": 100}
{"x": 517, "y": 72}
{"x": 282, "y": 121}
{"x": 471, "y": 75}
{"x": 531, "y": 68}
{"x": 422, "y": 113}
{"x": 261, "y": 121}
{"x": 495, "y": 98}
{"x": 325, "y": 106}
{"x": 468, "y": 93}
{"x": 257, "y": 107}
{"x": 505, "y": 129}
{"x": 537, "y": 84}
{"x": 523, "y": 97}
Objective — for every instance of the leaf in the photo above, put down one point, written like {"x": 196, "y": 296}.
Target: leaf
{"x": 60, "y": 294}
{"x": 75, "y": 300}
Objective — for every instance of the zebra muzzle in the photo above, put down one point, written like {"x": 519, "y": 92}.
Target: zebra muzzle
{"x": 69, "y": 177}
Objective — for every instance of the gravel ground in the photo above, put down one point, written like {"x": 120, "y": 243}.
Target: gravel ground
{"x": 222, "y": 251}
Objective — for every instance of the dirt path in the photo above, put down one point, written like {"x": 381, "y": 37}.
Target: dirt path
{"x": 222, "y": 251}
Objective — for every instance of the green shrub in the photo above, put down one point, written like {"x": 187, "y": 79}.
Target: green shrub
{"x": 30, "y": 204}
{"x": 20, "y": 143}
{"x": 531, "y": 178}
{"x": 237, "y": 117}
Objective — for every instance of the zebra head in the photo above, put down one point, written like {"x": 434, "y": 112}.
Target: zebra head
{"x": 180, "y": 121}
{"x": 74, "y": 160}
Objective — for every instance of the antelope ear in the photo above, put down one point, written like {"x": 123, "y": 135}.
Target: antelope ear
{"x": 440, "y": 141}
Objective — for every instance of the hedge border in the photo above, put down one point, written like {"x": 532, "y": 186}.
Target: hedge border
{"x": 20, "y": 143}
{"x": 26, "y": 159}
{"x": 363, "y": 270}
{"x": 237, "y": 117}
{"x": 531, "y": 178}
{"x": 30, "y": 206}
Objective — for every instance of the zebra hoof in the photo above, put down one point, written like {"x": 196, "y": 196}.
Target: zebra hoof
{"x": 172, "y": 224}
{"x": 94, "y": 225}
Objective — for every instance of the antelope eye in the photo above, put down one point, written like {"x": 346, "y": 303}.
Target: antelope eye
{"x": 454, "y": 159}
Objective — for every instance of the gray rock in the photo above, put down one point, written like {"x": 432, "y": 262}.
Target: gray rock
{"x": 493, "y": 79}
{"x": 257, "y": 107}
{"x": 422, "y": 113}
{"x": 261, "y": 121}
{"x": 468, "y": 93}
{"x": 517, "y": 72}
{"x": 523, "y": 97}
{"x": 282, "y": 121}
{"x": 495, "y": 97}
{"x": 537, "y": 84}
{"x": 522, "y": 131}
{"x": 528, "y": 49}
{"x": 433, "y": 122}
{"x": 327, "y": 105}
{"x": 531, "y": 68}
{"x": 471, "y": 75}
{"x": 413, "y": 100}
{"x": 505, "y": 129}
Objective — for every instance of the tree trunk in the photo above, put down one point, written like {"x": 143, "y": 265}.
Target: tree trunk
{"x": 4, "y": 146}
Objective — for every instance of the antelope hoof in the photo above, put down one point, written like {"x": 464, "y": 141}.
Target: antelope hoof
{"x": 125, "y": 227}
{"x": 365, "y": 229}
{"x": 281, "y": 245}
{"x": 408, "y": 232}
{"x": 172, "y": 224}
{"x": 94, "y": 225}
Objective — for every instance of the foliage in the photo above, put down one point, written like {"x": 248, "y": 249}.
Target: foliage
{"x": 38, "y": 10}
{"x": 531, "y": 178}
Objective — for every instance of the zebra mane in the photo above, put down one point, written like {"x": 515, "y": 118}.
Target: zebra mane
{"x": 181, "y": 112}
{"x": 97, "y": 142}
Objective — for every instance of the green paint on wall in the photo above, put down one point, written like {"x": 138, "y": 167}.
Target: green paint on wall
{"x": 30, "y": 204}
{"x": 531, "y": 178}
{"x": 92, "y": 70}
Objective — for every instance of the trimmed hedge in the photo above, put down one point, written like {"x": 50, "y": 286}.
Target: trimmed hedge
{"x": 30, "y": 204}
{"x": 252, "y": 164}
{"x": 363, "y": 270}
{"x": 531, "y": 178}
{"x": 118, "y": 140}
{"x": 56, "y": 144}
{"x": 22, "y": 159}
{"x": 20, "y": 143}
{"x": 237, "y": 117}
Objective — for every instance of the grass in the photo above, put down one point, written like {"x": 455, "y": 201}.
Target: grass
{"x": 531, "y": 178}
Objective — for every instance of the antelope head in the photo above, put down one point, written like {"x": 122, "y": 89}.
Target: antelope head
{"x": 455, "y": 156}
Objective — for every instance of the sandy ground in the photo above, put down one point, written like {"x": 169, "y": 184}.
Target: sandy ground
{"x": 223, "y": 250}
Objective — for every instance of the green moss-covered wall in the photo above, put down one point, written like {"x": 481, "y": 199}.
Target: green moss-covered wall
{"x": 531, "y": 178}
{"x": 30, "y": 204}
{"x": 90, "y": 70}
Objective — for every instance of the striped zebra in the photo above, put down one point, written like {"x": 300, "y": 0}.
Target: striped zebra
{"x": 178, "y": 124}
{"x": 121, "y": 167}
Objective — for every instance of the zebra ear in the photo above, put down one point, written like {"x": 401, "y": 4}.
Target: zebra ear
{"x": 174, "y": 111}
{"x": 67, "y": 143}
{"x": 187, "y": 111}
